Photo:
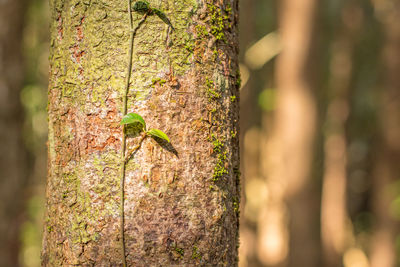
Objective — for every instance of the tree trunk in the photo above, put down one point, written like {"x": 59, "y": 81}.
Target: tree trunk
{"x": 386, "y": 166}
{"x": 13, "y": 161}
{"x": 181, "y": 198}
{"x": 334, "y": 215}
{"x": 295, "y": 128}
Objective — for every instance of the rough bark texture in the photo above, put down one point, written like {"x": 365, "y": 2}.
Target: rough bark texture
{"x": 13, "y": 159}
{"x": 181, "y": 198}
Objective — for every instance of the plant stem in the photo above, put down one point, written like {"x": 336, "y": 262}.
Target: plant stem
{"x": 136, "y": 148}
{"x": 124, "y": 112}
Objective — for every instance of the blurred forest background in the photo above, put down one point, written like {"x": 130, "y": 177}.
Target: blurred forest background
{"x": 320, "y": 132}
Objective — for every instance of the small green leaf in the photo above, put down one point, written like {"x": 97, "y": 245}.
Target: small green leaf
{"x": 141, "y": 6}
{"x": 133, "y": 118}
{"x": 163, "y": 17}
{"x": 158, "y": 133}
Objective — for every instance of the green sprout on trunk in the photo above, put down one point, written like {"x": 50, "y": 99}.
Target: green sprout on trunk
{"x": 134, "y": 118}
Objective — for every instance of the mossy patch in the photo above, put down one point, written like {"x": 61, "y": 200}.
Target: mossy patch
{"x": 196, "y": 253}
{"x": 220, "y": 166}
{"x": 212, "y": 94}
{"x": 220, "y": 21}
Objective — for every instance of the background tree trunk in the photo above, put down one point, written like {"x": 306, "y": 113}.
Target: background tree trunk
{"x": 334, "y": 216}
{"x": 13, "y": 160}
{"x": 181, "y": 199}
{"x": 385, "y": 193}
{"x": 295, "y": 128}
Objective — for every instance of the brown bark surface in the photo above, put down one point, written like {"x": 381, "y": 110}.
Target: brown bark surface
{"x": 181, "y": 199}
{"x": 13, "y": 161}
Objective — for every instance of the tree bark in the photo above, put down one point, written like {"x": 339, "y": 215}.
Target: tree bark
{"x": 181, "y": 198}
{"x": 13, "y": 160}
